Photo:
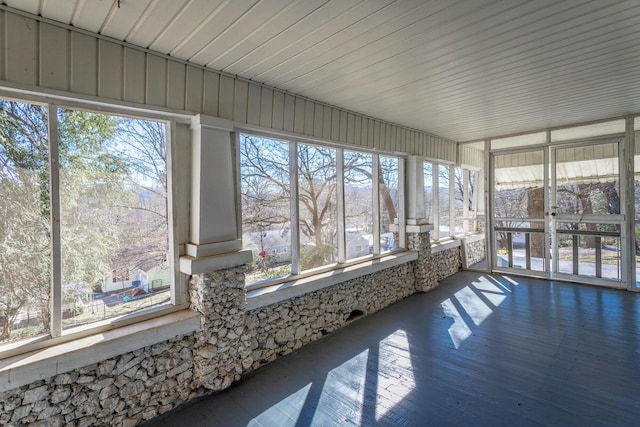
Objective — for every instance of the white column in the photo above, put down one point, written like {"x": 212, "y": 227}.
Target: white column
{"x": 415, "y": 191}
{"x": 215, "y": 232}
{"x": 488, "y": 193}
{"x": 417, "y": 220}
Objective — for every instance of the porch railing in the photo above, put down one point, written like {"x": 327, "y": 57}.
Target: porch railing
{"x": 575, "y": 241}
{"x": 509, "y": 232}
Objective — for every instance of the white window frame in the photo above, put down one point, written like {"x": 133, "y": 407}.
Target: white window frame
{"x": 342, "y": 261}
{"x": 179, "y": 282}
{"x": 435, "y": 202}
{"x": 469, "y": 217}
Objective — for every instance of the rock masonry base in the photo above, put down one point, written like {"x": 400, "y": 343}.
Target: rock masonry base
{"x": 137, "y": 386}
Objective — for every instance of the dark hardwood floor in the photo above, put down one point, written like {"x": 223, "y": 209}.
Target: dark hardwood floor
{"x": 480, "y": 350}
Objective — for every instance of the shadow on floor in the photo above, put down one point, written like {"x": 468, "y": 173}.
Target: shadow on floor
{"x": 479, "y": 350}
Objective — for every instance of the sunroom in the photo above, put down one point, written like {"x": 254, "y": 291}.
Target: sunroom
{"x": 191, "y": 190}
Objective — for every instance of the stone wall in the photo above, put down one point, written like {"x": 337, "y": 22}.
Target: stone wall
{"x": 124, "y": 390}
{"x": 446, "y": 262}
{"x": 137, "y": 386}
{"x": 423, "y": 269}
{"x": 288, "y": 325}
{"x": 222, "y": 347}
{"x": 474, "y": 250}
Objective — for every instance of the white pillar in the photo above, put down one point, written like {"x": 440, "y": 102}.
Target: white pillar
{"x": 417, "y": 220}
{"x": 415, "y": 192}
{"x": 215, "y": 232}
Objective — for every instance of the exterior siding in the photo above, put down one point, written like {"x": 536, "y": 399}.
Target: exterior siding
{"x": 469, "y": 156}
{"x": 37, "y": 55}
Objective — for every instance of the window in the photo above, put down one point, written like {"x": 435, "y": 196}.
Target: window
{"x": 347, "y": 204}
{"x": 103, "y": 179}
{"x": 358, "y": 190}
{"x": 465, "y": 202}
{"x": 444, "y": 208}
{"x": 266, "y": 206}
{"x": 388, "y": 176}
{"x": 317, "y": 206}
{"x": 460, "y": 179}
{"x": 429, "y": 194}
{"x": 441, "y": 183}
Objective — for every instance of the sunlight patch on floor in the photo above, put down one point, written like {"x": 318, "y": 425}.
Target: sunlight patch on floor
{"x": 475, "y": 307}
{"x": 459, "y": 331}
{"x": 471, "y": 306}
{"x": 289, "y": 405}
{"x": 490, "y": 291}
{"x": 396, "y": 379}
{"x": 344, "y": 389}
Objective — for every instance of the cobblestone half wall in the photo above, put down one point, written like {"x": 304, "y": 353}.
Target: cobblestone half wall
{"x": 122, "y": 391}
{"x": 137, "y": 386}
{"x": 445, "y": 263}
{"x": 423, "y": 266}
{"x": 474, "y": 251}
{"x": 288, "y": 325}
{"x": 222, "y": 346}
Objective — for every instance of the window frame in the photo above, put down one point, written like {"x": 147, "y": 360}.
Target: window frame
{"x": 179, "y": 283}
{"x": 469, "y": 218}
{"x": 435, "y": 200}
{"x": 341, "y": 261}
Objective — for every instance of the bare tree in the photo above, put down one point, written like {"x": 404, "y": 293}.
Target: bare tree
{"x": 142, "y": 145}
{"x": 266, "y": 190}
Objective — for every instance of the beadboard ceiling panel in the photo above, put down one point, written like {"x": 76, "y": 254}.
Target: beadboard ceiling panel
{"x": 465, "y": 70}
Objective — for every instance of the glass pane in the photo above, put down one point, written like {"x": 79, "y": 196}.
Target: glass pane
{"x": 515, "y": 249}
{"x": 518, "y": 198}
{"x": 444, "y": 209}
{"x": 25, "y": 279}
{"x": 114, "y": 226}
{"x": 462, "y": 207}
{"x": 317, "y": 206}
{"x": 389, "y": 191}
{"x": 637, "y": 252}
{"x": 458, "y": 194}
{"x": 587, "y": 180}
{"x": 519, "y": 186}
{"x": 589, "y": 253}
{"x": 358, "y": 190}
{"x": 428, "y": 191}
{"x": 471, "y": 225}
{"x": 266, "y": 206}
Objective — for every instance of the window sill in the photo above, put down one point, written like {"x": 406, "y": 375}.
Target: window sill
{"x": 282, "y": 291}
{"x": 443, "y": 245}
{"x": 17, "y": 371}
{"x": 470, "y": 238}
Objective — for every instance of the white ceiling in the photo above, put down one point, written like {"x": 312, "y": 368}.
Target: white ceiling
{"x": 464, "y": 70}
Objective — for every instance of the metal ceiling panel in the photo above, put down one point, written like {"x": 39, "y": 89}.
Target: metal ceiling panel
{"x": 91, "y": 14}
{"x": 220, "y": 55}
{"x": 216, "y": 24}
{"x": 31, "y": 6}
{"x": 304, "y": 35}
{"x": 154, "y": 22}
{"x": 465, "y": 70}
{"x": 187, "y": 23}
{"x": 121, "y": 20}
{"x": 58, "y": 10}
